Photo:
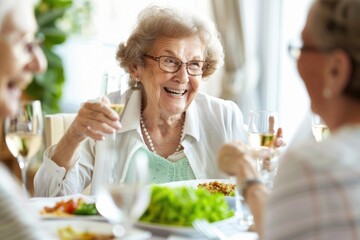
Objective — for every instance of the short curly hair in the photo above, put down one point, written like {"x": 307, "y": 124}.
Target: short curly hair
{"x": 155, "y": 22}
{"x": 336, "y": 24}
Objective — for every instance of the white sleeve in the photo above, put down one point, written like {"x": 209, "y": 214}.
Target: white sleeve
{"x": 52, "y": 180}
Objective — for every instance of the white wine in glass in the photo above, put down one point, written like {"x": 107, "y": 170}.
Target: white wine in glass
{"x": 261, "y": 136}
{"x": 24, "y": 135}
{"x": 319, "y": 128}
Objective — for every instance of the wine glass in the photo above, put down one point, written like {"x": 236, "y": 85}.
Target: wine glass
{"x": 106, "y": 151}
{"x": 24, "y": 135}
{"x": 319, "y": 128}
{"x": 261, "y": 135}
{"x": 123, "y": 203}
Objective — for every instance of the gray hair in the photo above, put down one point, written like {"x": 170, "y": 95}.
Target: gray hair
{"x": 337, "y": 25}
{"x": 5, "y": 7}
{"x": 155, "y": 22}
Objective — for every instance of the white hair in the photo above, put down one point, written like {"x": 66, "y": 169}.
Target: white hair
{"x": 7, "y": 5}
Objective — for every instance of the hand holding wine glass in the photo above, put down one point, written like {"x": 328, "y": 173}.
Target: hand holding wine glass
{"x": 24, "y": 134}
{"x": 262, "y": 133}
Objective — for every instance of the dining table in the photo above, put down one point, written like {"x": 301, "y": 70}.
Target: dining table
{"x": 97, "y": 223}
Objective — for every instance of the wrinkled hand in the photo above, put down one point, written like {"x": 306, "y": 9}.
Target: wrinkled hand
{"x": 239, "y": 159}
{"x": 94, "y": 120}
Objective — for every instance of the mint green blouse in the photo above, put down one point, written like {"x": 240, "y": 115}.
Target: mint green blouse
{"x": 162, "y": 170}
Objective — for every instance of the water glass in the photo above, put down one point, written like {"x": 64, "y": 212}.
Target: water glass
{"x": 242, "y": 211}
{"x": 123, "y": 203}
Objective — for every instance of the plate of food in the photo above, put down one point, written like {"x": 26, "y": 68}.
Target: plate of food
{"x": 80, "y": 230}
{"x": 72, "y": 206}
{"x": 173, "y": 207}
{"x": 222, "y": 186}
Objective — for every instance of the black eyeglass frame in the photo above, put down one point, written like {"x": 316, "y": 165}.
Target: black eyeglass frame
{"x": 157, "y": 59}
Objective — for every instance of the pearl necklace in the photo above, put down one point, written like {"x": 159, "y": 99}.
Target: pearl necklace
{"x": 150, "y": 140}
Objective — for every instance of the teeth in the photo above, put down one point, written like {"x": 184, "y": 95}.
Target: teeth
{"x": 175, "y": 91}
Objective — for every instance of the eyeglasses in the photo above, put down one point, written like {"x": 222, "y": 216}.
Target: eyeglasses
{"x": 295, "y": 51}
{"x": 172, "y": 65}
{"x": 27, "y": 42}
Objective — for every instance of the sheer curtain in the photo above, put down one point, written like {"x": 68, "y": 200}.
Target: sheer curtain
{"x": 241, "y": 75}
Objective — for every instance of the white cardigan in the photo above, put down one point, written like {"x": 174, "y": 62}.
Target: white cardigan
{"x": 210, "y": 122}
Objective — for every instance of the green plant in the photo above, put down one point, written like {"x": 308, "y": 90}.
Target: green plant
{"x": 47, "y": 87}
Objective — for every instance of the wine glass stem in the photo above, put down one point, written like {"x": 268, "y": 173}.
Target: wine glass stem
{"x": 119, "y": 231}
{"x": 23, "y": 168}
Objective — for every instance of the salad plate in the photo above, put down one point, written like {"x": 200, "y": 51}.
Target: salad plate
{"x": 165, "y": 230}
{"x": 40, "y": 203}
{"x": 229, "y": 226}
{"x": 194, "y": 184}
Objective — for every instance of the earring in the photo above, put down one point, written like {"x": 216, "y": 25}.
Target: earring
{"x": 327, "y": 93}
{"x": 136, "y": 84}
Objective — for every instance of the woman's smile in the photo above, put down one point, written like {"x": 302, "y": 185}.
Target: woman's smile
{"x": 175, "y": 92}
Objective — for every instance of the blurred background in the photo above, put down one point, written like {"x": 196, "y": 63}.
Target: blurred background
{"x": 81, "y": 37}
{"x": 258, "y": 73}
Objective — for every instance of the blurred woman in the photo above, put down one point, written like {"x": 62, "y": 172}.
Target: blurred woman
{"x": 317, "y": 190}
{"x": 179, "y": 129}
{"x": 20, "y": 57}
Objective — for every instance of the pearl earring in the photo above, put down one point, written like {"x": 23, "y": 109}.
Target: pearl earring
{"x": 327, "y": 93}
{"x": 136, "y": 85}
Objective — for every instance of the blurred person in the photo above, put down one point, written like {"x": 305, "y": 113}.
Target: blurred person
{"x": 317, "y": 190}
{"x": 20, "y": 57}
{"x": 180, "y": 129}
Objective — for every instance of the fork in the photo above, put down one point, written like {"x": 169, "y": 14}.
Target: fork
{"x": 209, "y": 231}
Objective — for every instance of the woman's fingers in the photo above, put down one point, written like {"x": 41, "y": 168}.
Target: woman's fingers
{"x": 236, "y": 159}
{"x": 95, "y": 120}
{"x": 279, "y": 140}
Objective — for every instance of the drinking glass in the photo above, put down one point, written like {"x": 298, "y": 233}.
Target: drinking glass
{"x": 319, "y": 128}
{"x": 114, "y": 80}
{"x": 242, "y": 211}
{"x": 107, "y": 151}
{"x": 122, "y": 204}
{"x": 23, "y": 135}
{"x": 261, "y": 135}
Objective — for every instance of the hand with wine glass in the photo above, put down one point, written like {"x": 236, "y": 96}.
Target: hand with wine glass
{"x": 263, "y": 132}
{"x": 24, "y": 135}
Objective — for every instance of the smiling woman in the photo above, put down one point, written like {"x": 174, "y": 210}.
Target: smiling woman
{"x": 167, "y": 118}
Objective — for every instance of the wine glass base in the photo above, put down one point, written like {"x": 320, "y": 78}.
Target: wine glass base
{"x": 118, "y": 231}
{"x": 130, "y": 234}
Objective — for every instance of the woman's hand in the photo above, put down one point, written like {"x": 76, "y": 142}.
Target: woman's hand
{"x": 94, "y": 120}
{"x": 238, "y": 159}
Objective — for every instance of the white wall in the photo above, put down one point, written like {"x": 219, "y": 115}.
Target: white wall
{"x": 293, "y": 98}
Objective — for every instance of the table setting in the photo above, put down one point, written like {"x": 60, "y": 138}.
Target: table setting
{"x": 103, "y": 224}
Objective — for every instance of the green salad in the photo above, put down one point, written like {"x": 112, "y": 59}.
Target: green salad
{"x": 180, "y": 206}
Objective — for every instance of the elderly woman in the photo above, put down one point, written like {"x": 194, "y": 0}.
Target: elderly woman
{"x": 20, "y": 57}
{"x": 166, "y": 117}
{"x": 317, "y": 190}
